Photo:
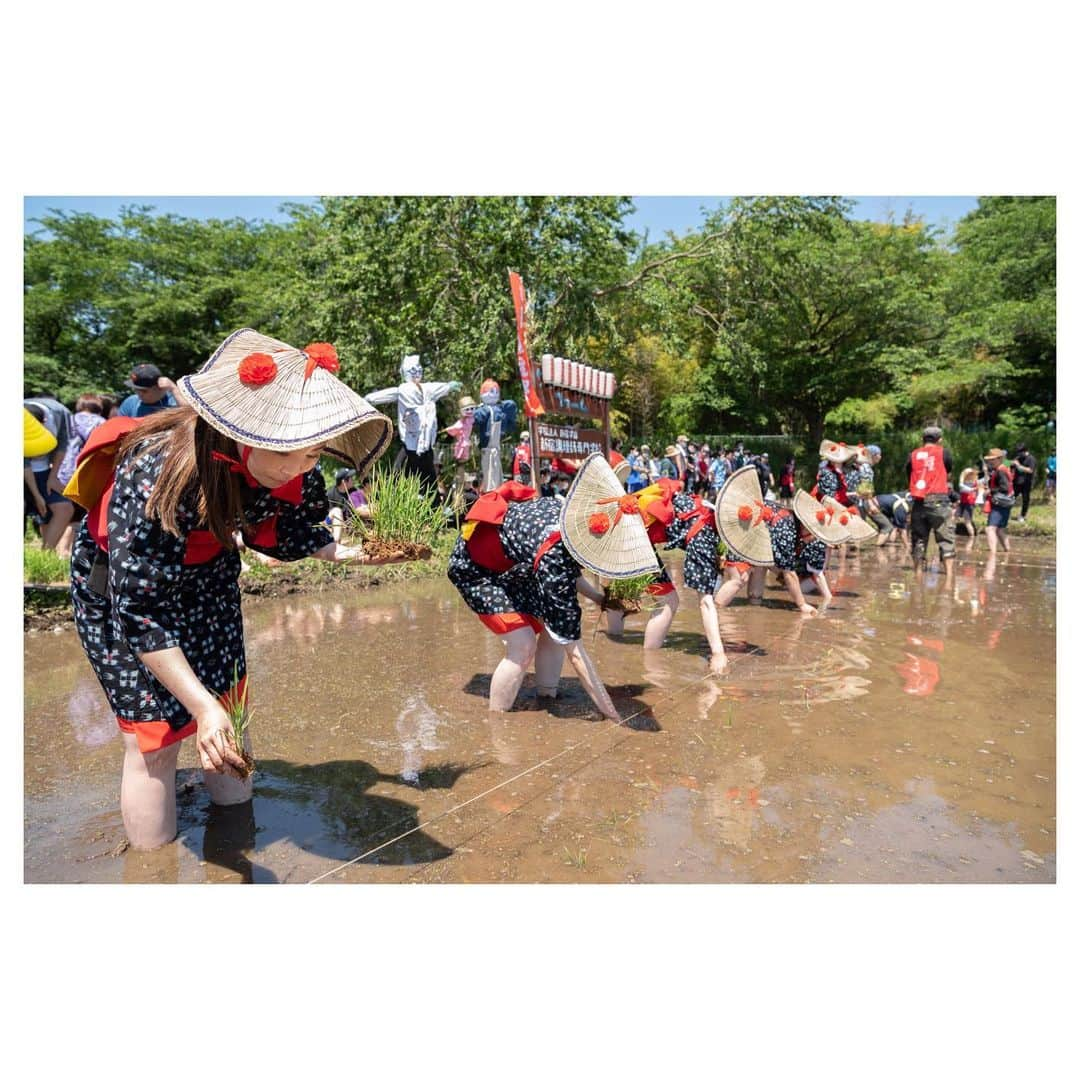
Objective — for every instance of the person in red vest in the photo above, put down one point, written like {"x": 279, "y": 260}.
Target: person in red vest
{"x": 928, "y": 470}
{"x": 154, "y": 568}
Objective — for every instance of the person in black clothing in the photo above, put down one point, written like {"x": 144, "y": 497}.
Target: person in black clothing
{"x": 547, "y": 489}
{"x": 1023, "y": 471}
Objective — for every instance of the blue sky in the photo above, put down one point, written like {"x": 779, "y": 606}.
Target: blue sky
{"x": 659, "y": 214}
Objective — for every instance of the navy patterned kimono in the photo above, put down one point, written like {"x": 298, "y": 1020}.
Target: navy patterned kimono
{"x": 154, "y": 601}
{"x": 790, "y": 551}
{"x": 547, "y": 593}
{"x": 700, "y": 570}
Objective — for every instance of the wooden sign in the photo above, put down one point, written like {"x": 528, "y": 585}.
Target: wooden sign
{"x": 569, "y": 442}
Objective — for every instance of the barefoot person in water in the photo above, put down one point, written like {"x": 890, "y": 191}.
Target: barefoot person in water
{"x": 517, "y": 564}
{"x": 154, "y": 570}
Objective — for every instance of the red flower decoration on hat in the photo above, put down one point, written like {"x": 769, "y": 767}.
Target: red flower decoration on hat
{"x": 820, "y": 515}
{"x": 599, "y": 524}
{"x": 627, "y": 504}
{"x": 746, "y": 513}
{"x": 843, "y": 519}
{"x": 320, "y": 354}
{"x": 256, "y": 369}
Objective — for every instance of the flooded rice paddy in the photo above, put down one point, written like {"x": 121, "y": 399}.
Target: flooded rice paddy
{"x": 907, "y": 735}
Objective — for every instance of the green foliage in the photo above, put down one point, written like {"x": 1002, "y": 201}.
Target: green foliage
{"x": 42, "y": 567}
{"x": 780, "y": 314}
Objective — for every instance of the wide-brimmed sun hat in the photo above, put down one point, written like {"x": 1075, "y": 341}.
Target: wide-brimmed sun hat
{"x": 836, "y": 452}
{"x": 824, "y": 521}
{"x": 265, "y": 393}
{"x": 994, "y": 452}
{"x": 740, "y": 520}
{"x": 601, "y": 525}
{"x": 858, "y": 528}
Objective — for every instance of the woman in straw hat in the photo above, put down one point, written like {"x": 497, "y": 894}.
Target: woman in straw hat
{"x": 154, "y": 570}
{"x": 830, "y": 478}
{"x": 693, "y": 529}
{"x": 999, "y": 499}
{"x": 764, "y": 534}
{"x": 517, "y": 564}
{"x": 800, "y": 540}
{"x": 654, "y": 504}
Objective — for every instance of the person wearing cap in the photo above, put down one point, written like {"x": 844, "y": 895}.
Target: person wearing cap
{"x": 517, "y": 564}
{"x": 928, "y": 470}
{"x": 152, "y": 392}
{"x": 154, "y": 569}
{"x": 1000, "y": 498}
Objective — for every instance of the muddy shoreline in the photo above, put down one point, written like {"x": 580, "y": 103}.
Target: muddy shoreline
{"x": 47, "y": 608}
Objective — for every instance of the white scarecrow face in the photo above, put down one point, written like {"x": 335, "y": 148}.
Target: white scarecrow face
{"x": 411, "y": 369}
{"x": 490, "y": 396}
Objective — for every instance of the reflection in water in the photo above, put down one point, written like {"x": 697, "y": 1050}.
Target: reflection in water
{"x": 733, "y": 800}
{"x": 416, "y": 725}
{"x": 89, "y": 714}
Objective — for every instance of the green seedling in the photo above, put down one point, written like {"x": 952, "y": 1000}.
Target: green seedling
{"x": 239, "y": 714}
{"x": 399, "y": 515}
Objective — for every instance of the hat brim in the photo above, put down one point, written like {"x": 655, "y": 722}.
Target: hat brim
{"x": 292, "y": 411}
{"x": 624, "y": 550}
{"x": 750, "y": 541}
{"x": 829, "y": 531}
{"x": 858, "y": 529}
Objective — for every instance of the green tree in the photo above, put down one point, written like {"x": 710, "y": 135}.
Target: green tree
{"x": 386, "y": 276}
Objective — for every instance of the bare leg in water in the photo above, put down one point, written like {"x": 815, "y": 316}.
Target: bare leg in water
{"x": 510, "y": 671}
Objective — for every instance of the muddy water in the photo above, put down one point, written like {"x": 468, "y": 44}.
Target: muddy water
{"x": 908, "y": 735}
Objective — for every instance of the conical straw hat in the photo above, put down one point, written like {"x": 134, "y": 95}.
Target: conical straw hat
{"x": 739, "y": 520}
{"x": 823, "y": 521}
{"x": 858, "y": 529}
{"x": 286, "y": 400}
{"x": 836, "y": 452}
{"x": 601, "y": 526}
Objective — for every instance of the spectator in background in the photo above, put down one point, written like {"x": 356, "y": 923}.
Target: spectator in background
{"x": 110, "y": 407}
{"x": 1001, "y": 496}
{"x": 520, "y": 464}
{"x": 45, "y": 468}
{"x": 89, "y": 414}
{"x": 547, "y": 488}
{"x": 638, "y": 477}
{"x": 718, "y": 473}
{"x": 1023, "y": 476}
{"x": 152, "y": 392}
{"x": 701, "y": 470}
{"x": 669, "y": 467}
{"x": 787, "y": 482}
{"x": 682, "y": 458}
{"x": 1051, "y": 474}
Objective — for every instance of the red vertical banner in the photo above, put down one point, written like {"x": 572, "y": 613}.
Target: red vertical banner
{"x": 528, "y": 383}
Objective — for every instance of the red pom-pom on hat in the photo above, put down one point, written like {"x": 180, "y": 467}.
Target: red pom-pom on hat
{"x": 746, "y": 513}
{"x": 321, "y": 354}
{"x": 820, "y": 515}
{"x": 257, "y": 369}
{"x": 599, "y": 524}
{"x": 843, "y": 519}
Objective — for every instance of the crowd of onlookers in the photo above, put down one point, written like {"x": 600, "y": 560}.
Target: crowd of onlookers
{"x": 701, "y": 468}
{"x": 46, "y": 475}
{"x": 703, "y": 471}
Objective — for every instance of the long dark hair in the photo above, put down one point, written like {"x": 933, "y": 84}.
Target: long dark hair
{"x": 192, "y": 475}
